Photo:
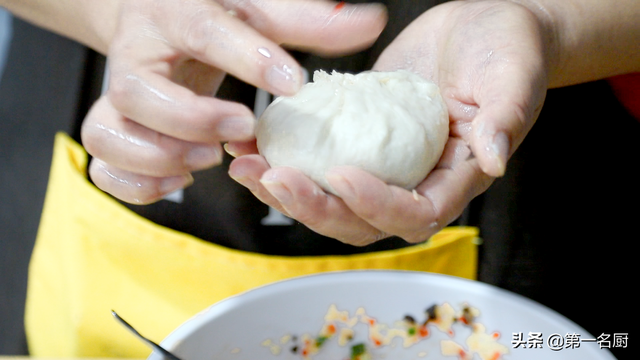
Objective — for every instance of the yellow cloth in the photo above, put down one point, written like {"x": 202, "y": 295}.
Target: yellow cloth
{"x": 92, "y": 255}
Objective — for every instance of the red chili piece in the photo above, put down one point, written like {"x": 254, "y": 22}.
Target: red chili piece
{"x": 423, "y": 331}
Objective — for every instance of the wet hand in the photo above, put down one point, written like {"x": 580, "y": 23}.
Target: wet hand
{"x": 490, "y": 61}
{"x": 160, "y": 121}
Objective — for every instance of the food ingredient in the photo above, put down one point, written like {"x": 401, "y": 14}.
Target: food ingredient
{"x": 441, "y": 317}
{"x": 392, "y": 124}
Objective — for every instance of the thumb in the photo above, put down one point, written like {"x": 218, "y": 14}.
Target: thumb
{"x": 324, "y": 27}
{"x": 506, "y": 113}
{"x": 491, "y": 139}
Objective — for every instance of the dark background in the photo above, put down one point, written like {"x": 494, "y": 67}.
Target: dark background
{"x": 44, "y": 89}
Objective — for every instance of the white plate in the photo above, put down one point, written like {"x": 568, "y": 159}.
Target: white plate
{"x": 253, "y": 325}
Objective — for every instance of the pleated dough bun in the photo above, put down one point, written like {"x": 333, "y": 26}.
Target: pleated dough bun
{"x": 392, "y": 124}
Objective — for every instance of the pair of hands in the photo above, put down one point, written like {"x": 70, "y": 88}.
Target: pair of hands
{"x": 160, "y": 121}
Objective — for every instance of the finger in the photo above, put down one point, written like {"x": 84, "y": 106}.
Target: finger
{"x": 290, "y": 192}
{"x": 148, "y": 93}
{"x": 327, "y": 27}
{"x": 247, "y": 171}
{"x": 205, "y": 31}
{"x": 496, "y": 132}
{"x": 412, "y": 215}
{"x": 134, "y": 188}
{"x": 132, "y": 147}
{"x": 323, "y": 213}
{"x": 509, "y": 103}
{"x": 155, "y": 101}
{"x": 240, "y": 148}
{"x": 456, "y": 180}
{"x": 389, "y": 208}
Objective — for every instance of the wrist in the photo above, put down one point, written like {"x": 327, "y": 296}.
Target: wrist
{"x": 89, "y": 22}
{"x": 588, "y": 39}
{"x": 551, "y": 26}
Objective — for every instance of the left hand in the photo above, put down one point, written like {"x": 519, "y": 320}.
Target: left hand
{"x": 160, "y": 120}
{"x": 490, "y": 62}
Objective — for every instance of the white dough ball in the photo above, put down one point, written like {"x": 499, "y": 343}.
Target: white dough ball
{"x": 392, "y": 124}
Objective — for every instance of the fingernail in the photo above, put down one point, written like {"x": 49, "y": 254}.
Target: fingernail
{"x": 246, "y": 182}
{"x": 227, "y": 149}
{"x": 174, "y": 183}
{"x": 236, "y": 128}
{"x": 340, "y": 185}
{"x": 499, "y": 148}
{"x": 285, "y": 80}
{"x": 279, "y": 191}
{"x": 201, "y": 157}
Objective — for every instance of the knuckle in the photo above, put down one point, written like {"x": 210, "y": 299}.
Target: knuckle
{"x": 198, "y": 34}
{"x": 522, "y": 114}
{"x": 119, "y": 92}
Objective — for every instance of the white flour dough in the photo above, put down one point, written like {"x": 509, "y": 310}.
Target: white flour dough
{"x": 392, "y": 124}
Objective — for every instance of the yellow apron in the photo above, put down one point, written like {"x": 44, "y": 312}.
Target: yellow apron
{"x": 92, "y": 255}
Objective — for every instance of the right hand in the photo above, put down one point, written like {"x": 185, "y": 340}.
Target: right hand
{"x": 159, "y": 120}
{"x": 488, "y": 58}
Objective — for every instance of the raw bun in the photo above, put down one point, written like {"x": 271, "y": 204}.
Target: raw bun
{"x": 392, "y": 124}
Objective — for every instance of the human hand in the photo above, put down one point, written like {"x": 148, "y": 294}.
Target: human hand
{"x": 490, "y": 61}
{"x": 159, "y": 120}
